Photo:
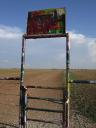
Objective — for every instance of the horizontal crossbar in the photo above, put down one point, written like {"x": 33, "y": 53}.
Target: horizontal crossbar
{"x": 9, "y": 78}
{"x": 46, "y": 110}
{"x": 44, "y": 36}
{"x": 51, "y": 122}
{"x": 59, "y": 101}
{"x": 42, "y": 87}
{"x": 83, "y": 81}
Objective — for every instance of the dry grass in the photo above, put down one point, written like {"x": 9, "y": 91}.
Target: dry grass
{"x": 83, "y": 98}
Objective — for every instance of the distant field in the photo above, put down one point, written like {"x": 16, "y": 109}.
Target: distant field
{"x": 83, "y": 97}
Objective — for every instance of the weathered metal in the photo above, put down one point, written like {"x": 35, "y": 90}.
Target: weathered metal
{"x": 24, "y": 109}
{"x": 58, "y": 101}
{"x": 44, "y": 87}
{"x": 45, "y": 110}
{"x": 48, "y": 21}
{"x": 44, "y": 36}
{"x": 66, "y": 105}
{"x": 83, "y": 81}
{"x": 9, "y": 78}
{"x": 23, "y": 94}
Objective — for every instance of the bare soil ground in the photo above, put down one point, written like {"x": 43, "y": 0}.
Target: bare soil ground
{"x": 48, "y": 78}
{"x": 9, "y": 99}
{"x": 9, "y": 109}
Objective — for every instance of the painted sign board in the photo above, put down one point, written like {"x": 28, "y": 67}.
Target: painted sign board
{"x": 48, "y": 21}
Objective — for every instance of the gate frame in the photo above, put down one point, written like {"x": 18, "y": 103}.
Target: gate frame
{"x": 23, "y": 94}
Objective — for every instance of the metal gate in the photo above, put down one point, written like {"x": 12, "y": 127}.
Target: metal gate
{"x": 23, "y": 89}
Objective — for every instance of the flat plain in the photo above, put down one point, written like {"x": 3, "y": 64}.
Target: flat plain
{"x": 83, "y": 97}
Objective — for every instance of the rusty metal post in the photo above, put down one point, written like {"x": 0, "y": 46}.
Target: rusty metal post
{"x": 24, "y": 109}
{"x": 22, "y": 112}
{"x": 67, "y": 104}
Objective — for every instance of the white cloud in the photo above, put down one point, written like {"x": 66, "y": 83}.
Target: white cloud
{"x": 83, "y": 50}
{"x": 7, "y": 32}
{"x": 77, "y": 37}
{"x": 10, "y": 46}
{"x": 92, "y": 50}
{"x": 46, "y": 52}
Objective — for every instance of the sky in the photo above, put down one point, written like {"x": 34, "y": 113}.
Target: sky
{"x": 48, "y": 53}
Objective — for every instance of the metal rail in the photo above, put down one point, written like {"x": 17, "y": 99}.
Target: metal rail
{"x": 45, "y": 110}
{"x": 58, "y": 101}
{"x": 83, "y": 81}
{"x": 9, "y": 78}
{"x": 25, "y": 36}
{"x": 42, "y": 87}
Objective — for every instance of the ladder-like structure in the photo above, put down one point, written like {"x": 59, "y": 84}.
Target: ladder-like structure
{"x": 23, "y": 89}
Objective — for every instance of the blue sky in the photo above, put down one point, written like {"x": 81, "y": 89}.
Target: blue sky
{"x": 81, "y": 24}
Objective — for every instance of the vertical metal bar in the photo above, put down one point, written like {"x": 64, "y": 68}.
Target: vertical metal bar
{"x": 64, "y": 106}
{"x": 67, "y": 106}
{"x": 22, "y": 62}
{"x": 24, "y": 105}
{"x": 22, "y": 113}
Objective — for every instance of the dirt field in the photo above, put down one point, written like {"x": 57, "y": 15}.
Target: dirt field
{"x": 9, "y": 104}
{"x": 83, "y": 99}
{"x": 51, "y": 78}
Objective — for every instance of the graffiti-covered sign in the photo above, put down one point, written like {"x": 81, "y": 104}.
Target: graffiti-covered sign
{"x": 48, "y": 21}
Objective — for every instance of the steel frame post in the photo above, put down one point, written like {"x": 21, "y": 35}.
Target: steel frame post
{"x": 23, "y": 94}
{"x": 67, "y": 104}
